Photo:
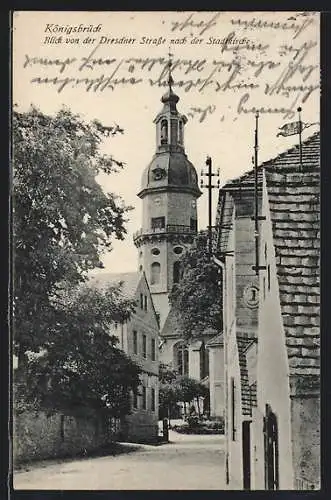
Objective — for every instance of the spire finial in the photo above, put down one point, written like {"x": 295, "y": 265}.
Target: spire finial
{"x": 170, "y": 79}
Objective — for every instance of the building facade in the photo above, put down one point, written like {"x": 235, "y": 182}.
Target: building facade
{"x": 272, "y": 361}
{"x": 139, "y": 339}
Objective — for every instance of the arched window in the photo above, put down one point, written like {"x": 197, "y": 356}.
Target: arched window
{"x": 155, "y": 273}
{"x": 181, "y": 358}
{"x": 164, "y": 131}
{"x": 177, "y": 272}
{"x": 180, "y": 132}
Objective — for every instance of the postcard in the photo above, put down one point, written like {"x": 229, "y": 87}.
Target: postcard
{"x": 165, "y": 180}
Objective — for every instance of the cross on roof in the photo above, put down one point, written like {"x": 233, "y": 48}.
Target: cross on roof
{"x": 170, "y": 79}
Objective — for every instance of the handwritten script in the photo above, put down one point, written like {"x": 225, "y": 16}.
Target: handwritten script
{"x": 246, "y": 67}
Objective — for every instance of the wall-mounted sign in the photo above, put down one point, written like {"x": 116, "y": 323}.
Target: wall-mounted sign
{"x": 251, "y": 296}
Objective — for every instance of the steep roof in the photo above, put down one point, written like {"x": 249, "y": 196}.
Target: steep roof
{"x": 288, "y": 160}
{"x": 129, "y": 281}
{"x": 294, "y": 200}
{"x": 170, "y": 327}
{"x": 216, "y": 341}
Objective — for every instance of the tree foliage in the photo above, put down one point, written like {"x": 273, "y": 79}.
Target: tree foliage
{"x": 197, "y": 297}
{"x": 62, "y": 222}
{"x": 175, "y": 388}
{"x": 62, "y": 219}
{"x": 81, "y": 365}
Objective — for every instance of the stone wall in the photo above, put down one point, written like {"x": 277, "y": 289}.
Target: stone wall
{"x": 37, "y": 436}
{"x": 305, "y": 412}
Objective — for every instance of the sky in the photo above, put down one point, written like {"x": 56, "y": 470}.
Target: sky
{"x": 225, "y": 64}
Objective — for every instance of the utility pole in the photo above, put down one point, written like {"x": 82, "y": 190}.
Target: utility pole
{"x": 256, "y": 214}
{"x": 209, "y": 186}
{"x": 256, "y": 217}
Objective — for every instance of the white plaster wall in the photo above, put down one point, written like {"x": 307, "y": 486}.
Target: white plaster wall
{"x": 272, "y": 364}
{"x": 216, "y": 381}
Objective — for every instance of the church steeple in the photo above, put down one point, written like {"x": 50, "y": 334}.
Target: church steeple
{"x": 169, "y": 123}
{"x": 169, "y": 191}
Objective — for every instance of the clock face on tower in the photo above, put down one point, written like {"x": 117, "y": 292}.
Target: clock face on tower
{"x": 158, "y": 173}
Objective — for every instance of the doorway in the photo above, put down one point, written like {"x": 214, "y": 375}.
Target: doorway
{"x": 271, "y": 454}
{"x": 246, "y": 440}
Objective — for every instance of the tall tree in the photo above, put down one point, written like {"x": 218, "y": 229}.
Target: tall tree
{"x": 197, "y": 296}
{"x": 82, "y": 367}
{"x": 62, "y": 219}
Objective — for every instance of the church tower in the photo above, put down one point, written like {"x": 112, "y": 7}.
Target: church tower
{"x": 169, "y": 190}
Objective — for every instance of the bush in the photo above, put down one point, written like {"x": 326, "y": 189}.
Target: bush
{"x": 195, "y": 426}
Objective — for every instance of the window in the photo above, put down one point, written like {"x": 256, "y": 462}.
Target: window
{"x": 177, "y": 272}
{"x": 155, "y": 273}
{"x": 144, "y": 346}
{"x": 155, "y": 251}
{"x": 153, "y": 399}
{"x": 144, "y": 395}
{"x": 157, "y": 314}
{"x": 193, "y": 224}
{"x": 271, "y": 452}
{"x": 141, "y": 301}
{"x": 145, "y": 302}
{"x": 180, "y": 132}
{"x": 135, "y": 342}
{"x": 181, "y": 357}
{"x": 164, "y": 131}
{"x": 204, "y": 362}
{"x": 140, "y": 268}
{"x": 233, "y": 408}
{"x": 174, "y": 131}
{"x": 265, "y": 252}
{"x": 153, "y": 350}
{"x": 135, "y": 400}
{"x": 178, "y": 250}
{"x": 158, "y": 222}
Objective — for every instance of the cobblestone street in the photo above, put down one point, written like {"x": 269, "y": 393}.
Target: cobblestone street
{"x": 187, "y": 462}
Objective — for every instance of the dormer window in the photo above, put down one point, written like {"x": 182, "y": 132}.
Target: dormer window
{"x": 164, "y": 131}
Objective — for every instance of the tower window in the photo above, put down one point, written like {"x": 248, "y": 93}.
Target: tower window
{"x": 141, "y": 301}
{"x": 155, "y": 251}
{"x": 158, "y": 222}
{"x": 178, "y": 250}
{"x": 174, "y": 131}
{"x": 164, "y": 131}
{"x": 145, "y": 302}
{"x": 177, "y": 272}
{"x": 180, "y": 132}
{"x": 155, "y": 273}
